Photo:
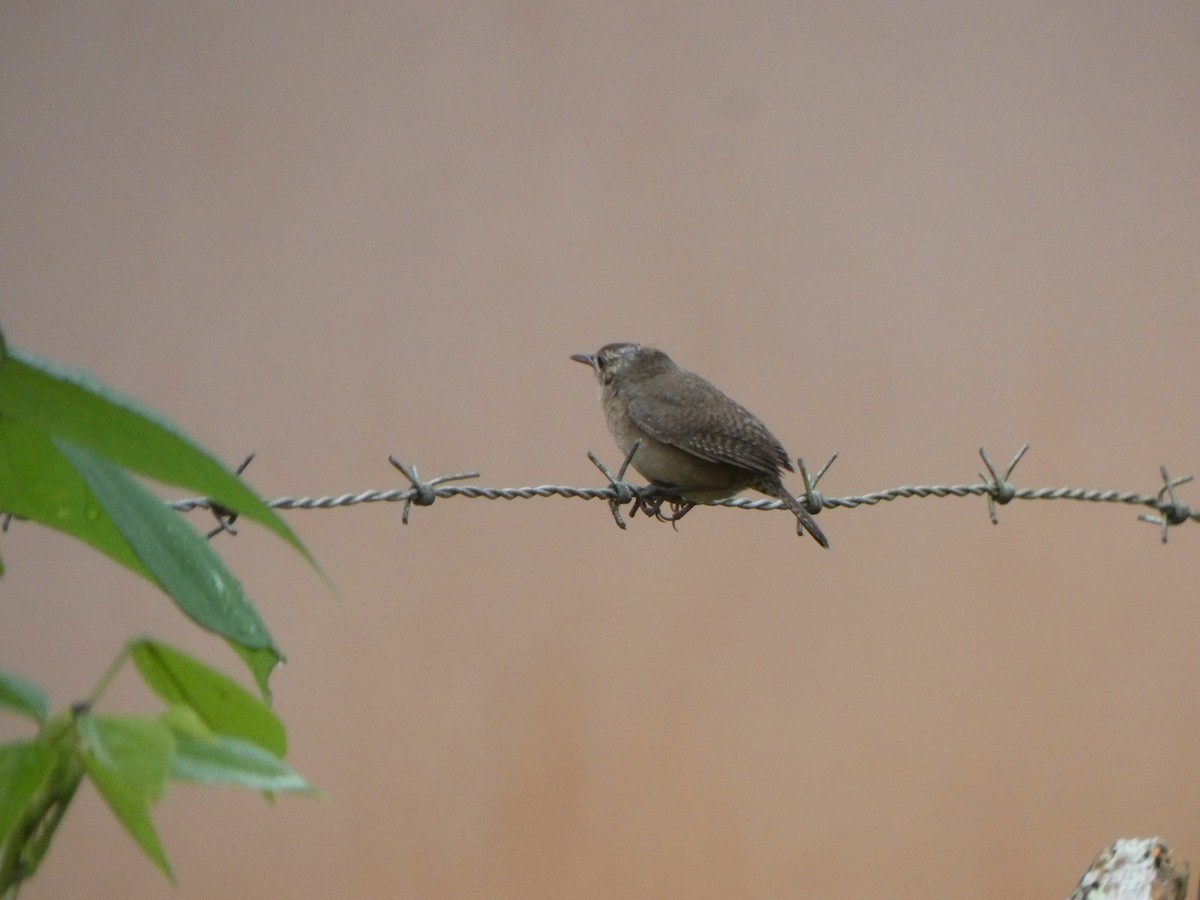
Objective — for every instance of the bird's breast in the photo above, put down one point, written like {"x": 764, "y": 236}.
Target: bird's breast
{"x": 665, "y": 464}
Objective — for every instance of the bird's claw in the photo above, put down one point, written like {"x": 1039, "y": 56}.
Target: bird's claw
{"x": 650, "y": 501}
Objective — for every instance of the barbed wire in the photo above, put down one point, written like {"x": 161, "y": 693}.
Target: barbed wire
{"x": 1166, "y": 509}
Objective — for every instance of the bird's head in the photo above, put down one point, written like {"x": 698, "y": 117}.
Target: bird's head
{"x": 615, "y": 360}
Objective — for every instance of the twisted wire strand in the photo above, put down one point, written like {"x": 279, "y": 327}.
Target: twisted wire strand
{"x": 412, "y": 494}
{"x": 997, "y": 490}
{"x": 610, "y": 493}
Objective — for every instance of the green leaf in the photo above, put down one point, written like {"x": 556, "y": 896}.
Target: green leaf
{"x": 25, "y": 769}
{"x": 262, "y": 663}
{"x": 222, "y": 704}
{"x": 138, "y": 748}
{"x": 231, "y": 761}
{"x": 180, "y": 560}
{"x": 184, "y": 720}
{"x": 131, "y": 808}
{"x": 23, "y": 696}
{"x": 37, "y": 482}
{"x": 128, "y": 758}
{"x": 74, "y": 406}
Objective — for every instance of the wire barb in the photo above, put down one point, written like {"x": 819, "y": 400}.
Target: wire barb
{"x": 813, "y": 501}
{"x": 1173, "y": 512}
{"x": 224, "y": 515}
{"x": 623, "y": 491}
{"x": 999, "y": 488}
{"x": 423, "y": 493}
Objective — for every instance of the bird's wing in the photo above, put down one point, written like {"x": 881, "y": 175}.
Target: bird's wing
{"x": 698, "y": 418}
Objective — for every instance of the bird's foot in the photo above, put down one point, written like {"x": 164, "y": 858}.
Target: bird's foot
{"x": 652, "y": 498}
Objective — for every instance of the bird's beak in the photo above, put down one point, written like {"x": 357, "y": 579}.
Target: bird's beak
{"x": 585, "y": 358}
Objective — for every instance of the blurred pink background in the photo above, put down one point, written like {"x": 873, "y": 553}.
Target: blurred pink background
{"x": 326, "y": 233}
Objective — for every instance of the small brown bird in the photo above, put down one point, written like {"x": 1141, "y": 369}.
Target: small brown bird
{"x": 696, "y": 442}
